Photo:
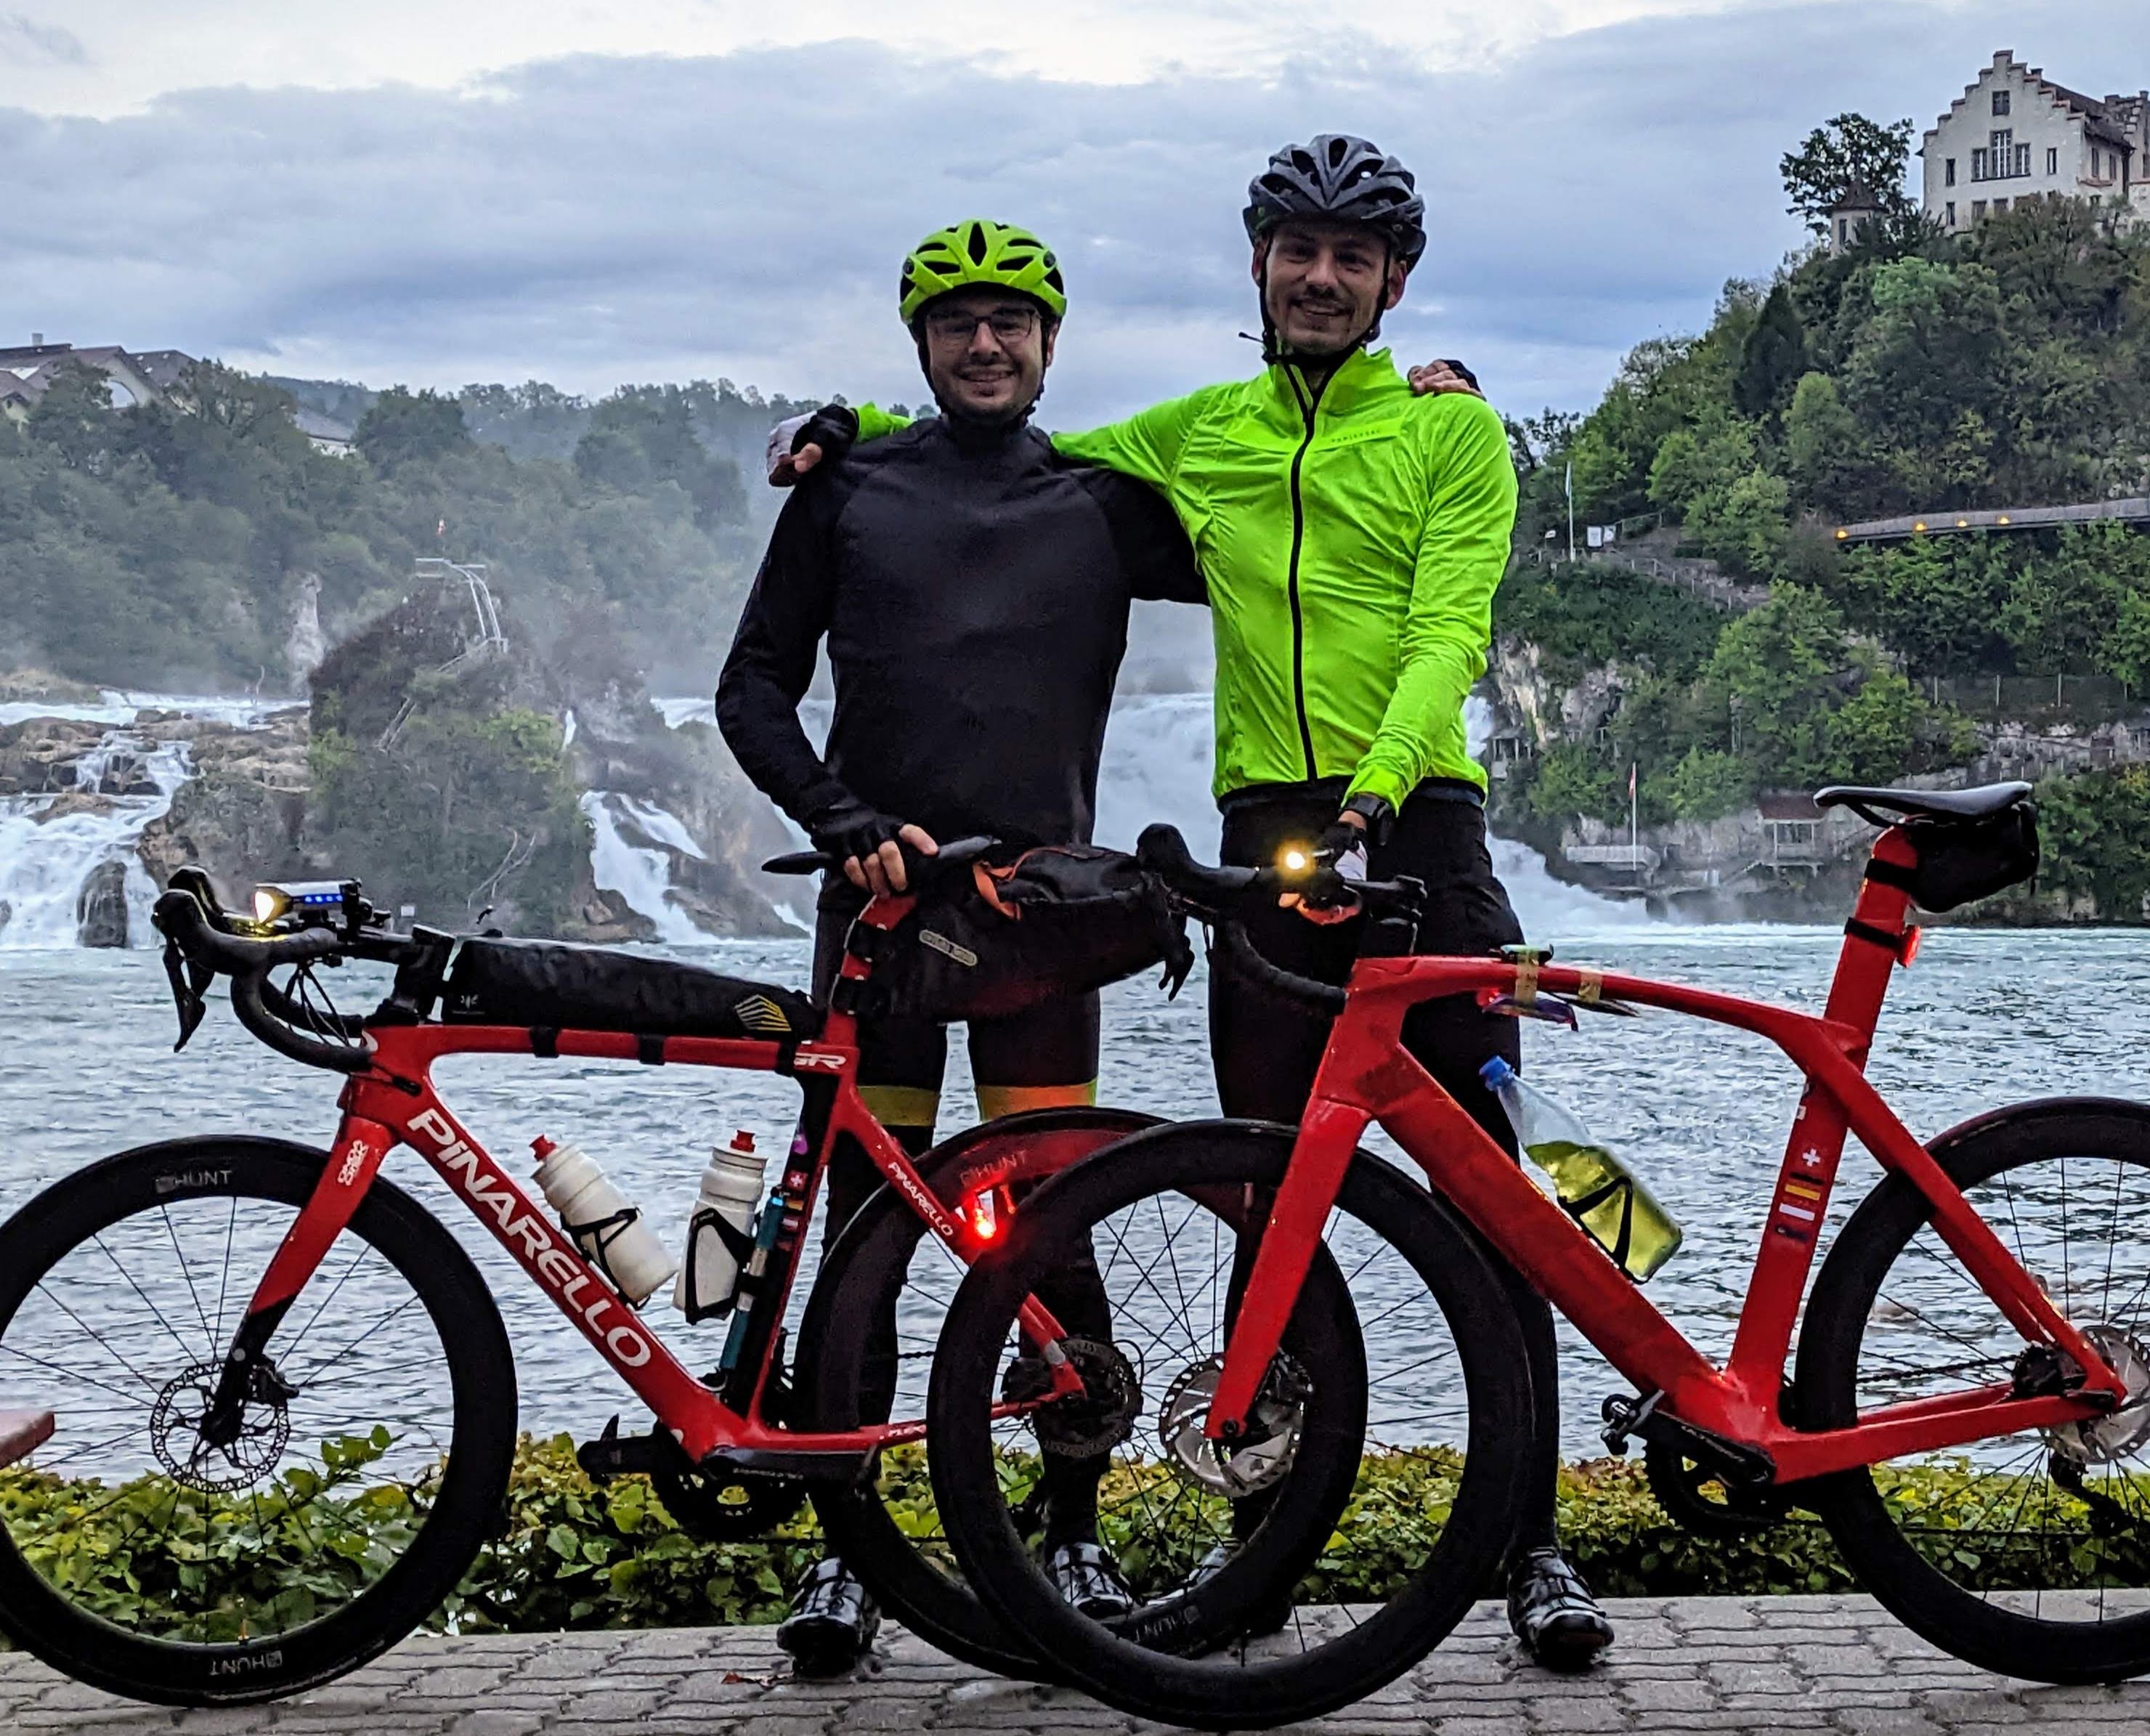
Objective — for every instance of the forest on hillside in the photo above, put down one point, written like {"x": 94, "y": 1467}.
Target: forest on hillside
{"x": 1915, "y": 371}
{"x": 171, "y": 545}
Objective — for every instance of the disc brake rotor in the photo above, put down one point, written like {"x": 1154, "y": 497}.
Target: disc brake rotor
{"x": 175, "y": 1429}
{"x": 2104, "y": 1440}
{"x": 1260, "y": 1456}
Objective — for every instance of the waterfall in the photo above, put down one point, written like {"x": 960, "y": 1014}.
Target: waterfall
{"x": 46, "y": 864}
{"x": 639, "y": 874}
{"x": 52, "y": 844}
{"x": 1157, "y": 765}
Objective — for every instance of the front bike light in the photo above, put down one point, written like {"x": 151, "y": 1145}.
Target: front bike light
{"x": 1296, "y": 859}
{"x": 311, "y": 899}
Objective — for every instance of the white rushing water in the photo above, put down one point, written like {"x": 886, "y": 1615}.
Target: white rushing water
{"x": 46, "y": 864}
{"x": 1159, "y": 753}
{"x": 640, "y": 875}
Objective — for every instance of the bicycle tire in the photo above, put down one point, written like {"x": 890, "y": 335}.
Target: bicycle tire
{"x": 865, "y": 1269}
{"x": 1853, "y": 1292}
{"x": 466, "y": 1505}
{"x": 1438, "y": 1253}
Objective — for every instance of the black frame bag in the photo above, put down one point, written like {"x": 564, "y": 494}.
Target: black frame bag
{"x": 1027, "y": 926}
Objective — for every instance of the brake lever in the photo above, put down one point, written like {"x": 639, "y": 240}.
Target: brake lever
{"x": 189, "y": 980}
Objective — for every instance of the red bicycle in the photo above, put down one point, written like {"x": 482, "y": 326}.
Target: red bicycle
{"x": 1968, "y": 1411}
{"x": 273, "y": 1403}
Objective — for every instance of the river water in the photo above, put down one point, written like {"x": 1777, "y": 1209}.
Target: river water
{"x": 1984, "y": 1019}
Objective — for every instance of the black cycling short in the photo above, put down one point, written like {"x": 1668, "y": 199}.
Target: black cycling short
{"x": 1042, "y": 1058}
{"x": 1265, "y": 1049}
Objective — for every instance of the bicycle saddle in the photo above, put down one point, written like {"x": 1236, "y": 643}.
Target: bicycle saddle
{"x": 1873, "y": 805}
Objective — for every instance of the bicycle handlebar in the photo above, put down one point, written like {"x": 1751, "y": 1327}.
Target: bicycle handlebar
{"x": 1222, "y": 894}
{"x": 918, "y": 866}
{"x": 264, "y": 1010}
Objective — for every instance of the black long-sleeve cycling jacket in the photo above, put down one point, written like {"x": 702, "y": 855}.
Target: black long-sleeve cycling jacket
{"x": 973, "y": 588}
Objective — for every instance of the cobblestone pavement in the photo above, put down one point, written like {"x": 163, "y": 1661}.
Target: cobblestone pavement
{"x": 1688, "y": 1665}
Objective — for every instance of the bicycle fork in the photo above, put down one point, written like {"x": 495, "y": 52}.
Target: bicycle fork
{"x": 248, "y": 1373}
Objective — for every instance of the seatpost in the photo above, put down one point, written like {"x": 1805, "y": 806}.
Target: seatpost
{"x": 1875, "y": 940}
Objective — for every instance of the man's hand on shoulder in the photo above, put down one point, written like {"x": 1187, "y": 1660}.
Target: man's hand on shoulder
{"x": 1430, "y": 379}
{"x": 799, "y": 443}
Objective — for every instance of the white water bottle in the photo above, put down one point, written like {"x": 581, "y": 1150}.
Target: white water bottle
{"x": 609, "y": 1232}
{"x": 731, "y": 1190}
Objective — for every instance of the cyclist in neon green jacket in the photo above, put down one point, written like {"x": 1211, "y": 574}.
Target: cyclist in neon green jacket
{"x": 1351, "y": 535}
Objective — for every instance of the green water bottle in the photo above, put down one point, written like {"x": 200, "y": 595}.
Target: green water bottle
{"x": 1593, "y": 1186}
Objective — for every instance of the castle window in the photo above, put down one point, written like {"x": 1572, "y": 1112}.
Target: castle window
{"x": 2000, "y": 102}
{"x": 1999, "y": 206}
{"x": 1952, "y": 214}
{"x": 1948, "y": 173}
{"x": 1977, "y": 209}
{"x": 2053, "y": 161}
{"x": 1978, "y": 164}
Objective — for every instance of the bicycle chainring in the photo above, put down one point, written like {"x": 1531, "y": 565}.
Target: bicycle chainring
{"x": 176, "y": 1423}
{"x": 1264, "y": 1452}
{"x": 719, "y": 1505}
{"x": 1078, "y": 1427}
{"x": 1680, "y": 1484}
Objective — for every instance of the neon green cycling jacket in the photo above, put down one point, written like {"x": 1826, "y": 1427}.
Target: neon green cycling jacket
{"x": 1351, "y": 542}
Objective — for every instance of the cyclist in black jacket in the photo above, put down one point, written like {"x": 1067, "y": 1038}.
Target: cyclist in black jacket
{"x": 973, "y": 587}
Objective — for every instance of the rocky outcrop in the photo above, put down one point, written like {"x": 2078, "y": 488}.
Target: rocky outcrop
{"x": 242, "y": 815}
{"x": 100, "y": 910}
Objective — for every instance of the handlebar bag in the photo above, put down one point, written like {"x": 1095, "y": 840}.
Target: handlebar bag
{"x": 1027, "y": 927}
{"x": 558, "y": 985}
{"x": 1961, "y": 860}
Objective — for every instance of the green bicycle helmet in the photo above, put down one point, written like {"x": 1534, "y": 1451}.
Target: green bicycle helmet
{"x": 978, "y": 251}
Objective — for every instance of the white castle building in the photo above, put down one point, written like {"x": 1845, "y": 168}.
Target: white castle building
{"x": 2015, "y": 135}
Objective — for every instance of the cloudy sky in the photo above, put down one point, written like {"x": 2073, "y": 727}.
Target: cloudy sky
{"x": 499, "y": 189}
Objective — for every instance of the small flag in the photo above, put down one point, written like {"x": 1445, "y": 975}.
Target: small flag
{"x": 1631, "y": 780}
{"x": 441, "y": 528}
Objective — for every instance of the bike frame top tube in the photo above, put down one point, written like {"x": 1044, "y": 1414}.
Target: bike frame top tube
{"x": 396, "y": 1102}
{"x": 1366, "y": 1075}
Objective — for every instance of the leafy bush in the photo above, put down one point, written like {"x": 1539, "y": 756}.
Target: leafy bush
{"x": 574, "y": 1554}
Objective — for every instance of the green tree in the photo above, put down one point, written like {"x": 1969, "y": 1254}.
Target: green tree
{"x": 1708, "y": 784}
{"x": 1826, "y": 450}
{"x": 406, "y": 427}
{"x": 640, "y": 439}
{"x": 75, "y": 417}
{"x": 1773, "y": 359}
{"x": 1847, "y": 156}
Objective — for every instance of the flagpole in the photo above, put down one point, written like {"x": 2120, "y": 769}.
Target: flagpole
{"x": 1634, "y": 848}
{"x": 1570, "y": 511}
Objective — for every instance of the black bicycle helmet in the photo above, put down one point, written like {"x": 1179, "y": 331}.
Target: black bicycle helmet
{"x": 1344, "y": 178}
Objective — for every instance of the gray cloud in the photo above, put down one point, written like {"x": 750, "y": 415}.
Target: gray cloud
{"x": 25, "y": 39}
{"x": 595, "y": 219}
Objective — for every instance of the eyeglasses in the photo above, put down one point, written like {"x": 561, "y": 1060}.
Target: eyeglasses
{"x": 1010, "y": 325}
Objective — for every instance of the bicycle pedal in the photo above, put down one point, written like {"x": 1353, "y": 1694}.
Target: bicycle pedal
{"x": 612, "y": 1455}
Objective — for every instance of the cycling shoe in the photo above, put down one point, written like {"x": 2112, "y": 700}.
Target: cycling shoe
{"x": 832, "y": 1622}
{"x": 1267, "y": 1617}
{"x": 1088, "y": 1578}
{"x": 1551, "y": 1611}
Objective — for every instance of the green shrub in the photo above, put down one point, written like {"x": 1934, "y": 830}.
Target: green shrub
{"x": 574, "y": 1554}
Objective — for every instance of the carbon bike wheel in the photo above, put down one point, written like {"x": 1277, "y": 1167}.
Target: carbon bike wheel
{"x": 1324, "y": 1581}
{"x": 885, "y": 1274}
{"x": 370, "y": 1464}
{"x": 2026, "y": 1554}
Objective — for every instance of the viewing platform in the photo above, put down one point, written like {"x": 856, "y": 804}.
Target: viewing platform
{"x": 2134, "y": 510}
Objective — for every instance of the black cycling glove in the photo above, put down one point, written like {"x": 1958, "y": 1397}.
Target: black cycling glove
{"x": 834, "y": 428}
{"x": 847, "y": 827}
{"x": 1461, "y": 372}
